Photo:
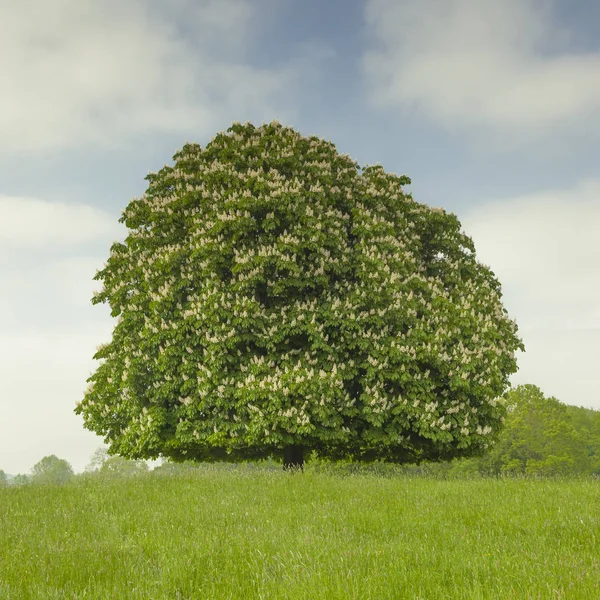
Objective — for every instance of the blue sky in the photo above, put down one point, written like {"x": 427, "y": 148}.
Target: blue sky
{"x": 492, "y": 109}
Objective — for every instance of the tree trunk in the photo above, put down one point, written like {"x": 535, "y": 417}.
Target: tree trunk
{"x": 293, "y": 458}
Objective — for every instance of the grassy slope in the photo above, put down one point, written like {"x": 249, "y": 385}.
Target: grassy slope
{"x": 237, "y": 534}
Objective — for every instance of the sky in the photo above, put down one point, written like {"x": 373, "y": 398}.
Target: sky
{"x": 492, "y": 109}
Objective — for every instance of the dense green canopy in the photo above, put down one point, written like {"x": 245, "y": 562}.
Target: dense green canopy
{"x": 272, "y": 294}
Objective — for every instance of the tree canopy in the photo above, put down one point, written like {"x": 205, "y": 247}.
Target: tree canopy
{"x": 103, "y": 463}
{"x": 273, "y": 297}
{"x": 52, "y": 469}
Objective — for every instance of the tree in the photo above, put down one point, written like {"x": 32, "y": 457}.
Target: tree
{"x": 275, "y": 299}
{"x": 101, "y": 462}
{"x": 122, "y": 467}
{"x": 98, "y": 458}
{"x": 3, "y": 478}
{"x": 51, "y": 469}
{"x": 587, "y": 423}
{"x": 539, "y": 437}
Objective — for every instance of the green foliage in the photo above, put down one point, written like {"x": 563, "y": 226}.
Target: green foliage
{"x": 587, "y": 424}
{"x": 242, "y": 533}
{"x": 3, "y": 478}
{"x": 20, "y": 479}
{"x": 541, "y": 437}
{"x": 271, "y": 293}
{"x": 51, "y": 470}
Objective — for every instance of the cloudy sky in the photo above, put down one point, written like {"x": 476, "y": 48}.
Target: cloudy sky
{"x": 493, "y": 110}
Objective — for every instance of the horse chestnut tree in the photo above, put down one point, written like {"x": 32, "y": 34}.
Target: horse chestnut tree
{"x": 276, "y": 299}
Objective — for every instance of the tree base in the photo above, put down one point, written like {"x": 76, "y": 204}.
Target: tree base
{"x": 293, "y": 458}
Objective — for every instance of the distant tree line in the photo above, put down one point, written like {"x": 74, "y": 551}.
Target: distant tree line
{"x": 58, "y": 471}
{"x": 49, "y": 470}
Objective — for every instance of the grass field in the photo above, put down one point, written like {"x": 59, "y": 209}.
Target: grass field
{"x": 252, "y": 534}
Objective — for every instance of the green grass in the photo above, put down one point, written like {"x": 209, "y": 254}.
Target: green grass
{"x": 252, "y": 534}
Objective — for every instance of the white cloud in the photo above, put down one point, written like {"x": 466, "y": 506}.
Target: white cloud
{"x": 48, "y": 327}
{"x": 33, "y": 224}
{"x": 49, "y": 254}
{"x": 42, "y": 376}
{"x": 50, "y": 294}
{"x": 472, "y": 65}
{"x": 544, "y": 250}
{"x": 79, "y": 71}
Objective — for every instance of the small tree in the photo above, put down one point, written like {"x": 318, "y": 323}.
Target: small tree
{"x": 51, "y": 469}
{"x": 3, "y": 478}
{"x": 273, "y": 298}
{"x": 101, "y": 462}
{"x": 121, "y": 467}
{"x": 98, "y": 458}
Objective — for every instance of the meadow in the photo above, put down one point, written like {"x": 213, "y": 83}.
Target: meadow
{"x": 215, "y": 533}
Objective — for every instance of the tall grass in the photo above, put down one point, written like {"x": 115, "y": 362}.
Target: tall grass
{"x": 256, "y": 534}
